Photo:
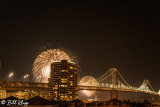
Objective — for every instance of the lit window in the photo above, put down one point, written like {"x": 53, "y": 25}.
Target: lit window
{"x": 64, "y": 81}
{"x": 63, "y": 85}
{"x": 71, "y": 67}
{"x": 64, "y": 70}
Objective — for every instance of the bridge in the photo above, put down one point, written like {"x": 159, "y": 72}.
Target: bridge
{"x": 15, "y": 85}
{"x": 112, "y": 81}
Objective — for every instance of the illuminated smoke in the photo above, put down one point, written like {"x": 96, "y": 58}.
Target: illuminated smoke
{"x": 88, "y": 81}
{"x": 41, "y": 66}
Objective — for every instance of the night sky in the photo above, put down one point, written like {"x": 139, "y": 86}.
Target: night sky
{"x": 100, "y": 33}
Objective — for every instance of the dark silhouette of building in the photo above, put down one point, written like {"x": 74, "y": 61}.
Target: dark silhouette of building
{"x": 38, "y": 101}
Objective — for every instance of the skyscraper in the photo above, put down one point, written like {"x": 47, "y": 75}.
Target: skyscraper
{"x": 63, "y": 81}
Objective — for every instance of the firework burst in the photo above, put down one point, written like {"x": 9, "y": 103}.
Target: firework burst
{"x": 41, "y": 66}
{"x": 88, "y": 81}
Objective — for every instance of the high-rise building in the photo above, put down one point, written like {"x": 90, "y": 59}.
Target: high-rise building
{"x": 62, "y": 83}
{"x": 2, "y": 94}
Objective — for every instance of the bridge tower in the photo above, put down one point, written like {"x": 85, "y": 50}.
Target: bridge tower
{"x": 113, "y": 81}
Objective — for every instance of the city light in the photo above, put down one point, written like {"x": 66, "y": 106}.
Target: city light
{"x": 25, "y": 76}
{"x": 11, "y": 75}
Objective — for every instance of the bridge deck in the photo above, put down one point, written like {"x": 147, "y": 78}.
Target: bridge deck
{"x": 110, "y": 89}
{"x": 13, "y": 85}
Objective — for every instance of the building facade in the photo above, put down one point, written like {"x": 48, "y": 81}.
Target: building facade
{"x": 62, "y": 84}
{"x": 2, "y": 94}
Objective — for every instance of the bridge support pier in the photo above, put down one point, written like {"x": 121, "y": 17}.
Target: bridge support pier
{"x": 157, "y": 98}
{"x": 113, "y": 80}
{"x": 114, "y": 94}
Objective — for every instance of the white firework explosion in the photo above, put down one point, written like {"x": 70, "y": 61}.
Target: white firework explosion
{"x": 41, "y": 66}
{"x": 88, "y": 81}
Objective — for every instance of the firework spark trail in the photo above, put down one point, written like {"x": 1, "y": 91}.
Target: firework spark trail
{"x": 41, "y": 65}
